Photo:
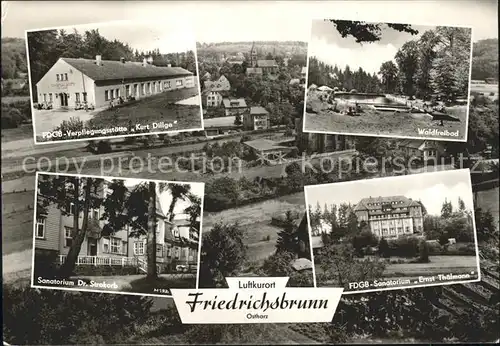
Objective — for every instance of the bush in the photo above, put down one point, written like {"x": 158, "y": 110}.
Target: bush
{"x": 406, "y": 246}
{"x": 423, "y": 252}
{"x": 73, "y": 124}
{"x": 103, "y": 147}
{"x": 37, "y": 317}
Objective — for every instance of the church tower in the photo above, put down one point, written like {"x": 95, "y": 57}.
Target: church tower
{"x": 253, "y": 56}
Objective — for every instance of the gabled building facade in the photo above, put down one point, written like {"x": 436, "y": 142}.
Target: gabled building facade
{"x": 234, "y": 106}
{"x": 72, "y": 82}
{"x": 423, "y": 150}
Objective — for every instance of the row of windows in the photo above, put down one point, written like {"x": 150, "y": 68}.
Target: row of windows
{"x": 62, "y": 77}
{"x": 392, "y": 203}
{"x": 389, "y": 216}
{"x": 140, "y": 250}
{"x": 146, "y": 88}
{"x": 40, "y": 222}
{"x": 51, "y": 98}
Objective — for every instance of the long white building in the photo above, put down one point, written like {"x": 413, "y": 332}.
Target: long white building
{"x": 71, "y": 82}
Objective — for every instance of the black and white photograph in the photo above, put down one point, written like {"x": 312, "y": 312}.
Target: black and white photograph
{"x": 254, "y": 214}
{"x": 393, "y": 233}
{"x": 113, "y": 79}
{"x": 102, "y": 234}
{"x": 388, "y": 79}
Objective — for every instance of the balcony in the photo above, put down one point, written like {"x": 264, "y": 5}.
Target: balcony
{"x": 103, "y": 261}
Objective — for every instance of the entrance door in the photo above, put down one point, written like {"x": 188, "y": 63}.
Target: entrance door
{"x": 63, "y": 97}
{"x": 92, "y": 247}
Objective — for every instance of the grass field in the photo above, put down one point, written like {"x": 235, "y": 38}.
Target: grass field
{"x": 156, "y": 108}
{"x": 17, "y": 222}
{"x": 22, "y": 132}
{"x": 255, "y": 219}
{"x": 486, "y": 89}
{"x": 377, "y": 123}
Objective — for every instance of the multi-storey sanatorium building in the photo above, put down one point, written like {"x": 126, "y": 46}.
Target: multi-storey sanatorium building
{"x": 390, "y": 217}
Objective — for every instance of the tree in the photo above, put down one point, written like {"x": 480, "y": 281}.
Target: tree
{"x": 423, "y": 252}
{"x": 389, "y": 73}
{"x": 223, "y": 254}
{"x": 446, "y": 209}
{"x": 368, "y": 32}
{"x": 407, "y": 60}
{"x": 151, "y": 233}
{"x": 288, "y": 240}
{"x": 383, "y": 248}
{"x": 74, "y": 196}
{"x": 237, "y": 120}
{"x": 178, "y": 192}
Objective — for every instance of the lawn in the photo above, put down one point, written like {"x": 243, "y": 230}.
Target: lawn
{"x": 17, "y": 222}
{"x": 255, "y": 220}
{"x": 378, "y": 123}
{"x": 24, "y": 131}
{"x": 153, "y": 109}
{"x": 438, "y": 265}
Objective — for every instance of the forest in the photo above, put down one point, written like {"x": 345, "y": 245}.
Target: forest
{"x": 437, "y": 63}
{"x": 46, "y": 47}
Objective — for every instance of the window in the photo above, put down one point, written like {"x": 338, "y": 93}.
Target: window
{"x": 178, "y": 82}
{"x": 50, "y": 97}
{"x": 105, "y": 245}
{"x": 116, "y": 245}
{"x": 77, "y": 97}
{"x": 166, "y": 85}
{"x": 139, "y": 248}
{"x": 65, "y": 76}
{"x": 68, "y": 239}
{"x": 95, "y": 214}
{"x": 40, "y": 228}
{"x": 84, "y": 97}
{"x": 57, "y": 76}
{"x": 117, "y": 93}
{"x": 106, "y": 95}
{"x": 159, "y": 250}
{"x": 177, "y": 252}
{"x": 143, "y": 87}
{"x": 112, "y": 93}
{"x": 169, "y": 250}
{"x": 149, "y": 87}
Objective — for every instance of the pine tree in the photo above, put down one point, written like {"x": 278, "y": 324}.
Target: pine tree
{"x": 288, "y": 238}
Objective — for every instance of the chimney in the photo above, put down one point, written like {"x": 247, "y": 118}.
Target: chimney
{"x": 98, "y": 60}
{"x": 122, "y": 60}
{"x": 144, "y": 62}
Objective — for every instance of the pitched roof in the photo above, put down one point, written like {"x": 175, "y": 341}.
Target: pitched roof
{"x": 373, "y": 204}
{"x": 219, "y": 122}
{"x": 267, "y": 63}
{"x": 234, "y": 103}
{"x": 258, "y": 110}
{"x": 254, "y": 70}
{"x": 265, "y": 144}
{"x": 117, "y": 70}
{"x": 412, "y": 143}
{"x": 325, "y": 88}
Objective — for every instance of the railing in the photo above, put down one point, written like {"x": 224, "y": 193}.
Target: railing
{"x": 102, "y": 261}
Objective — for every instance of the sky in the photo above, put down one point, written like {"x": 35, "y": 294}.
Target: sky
{"x": 218, "y": 21}
{"x": 167, "y": 36}
{"x": 166, "y": 197}
{"x": 329, "y": 46}
{"x": 430, "y": 188}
